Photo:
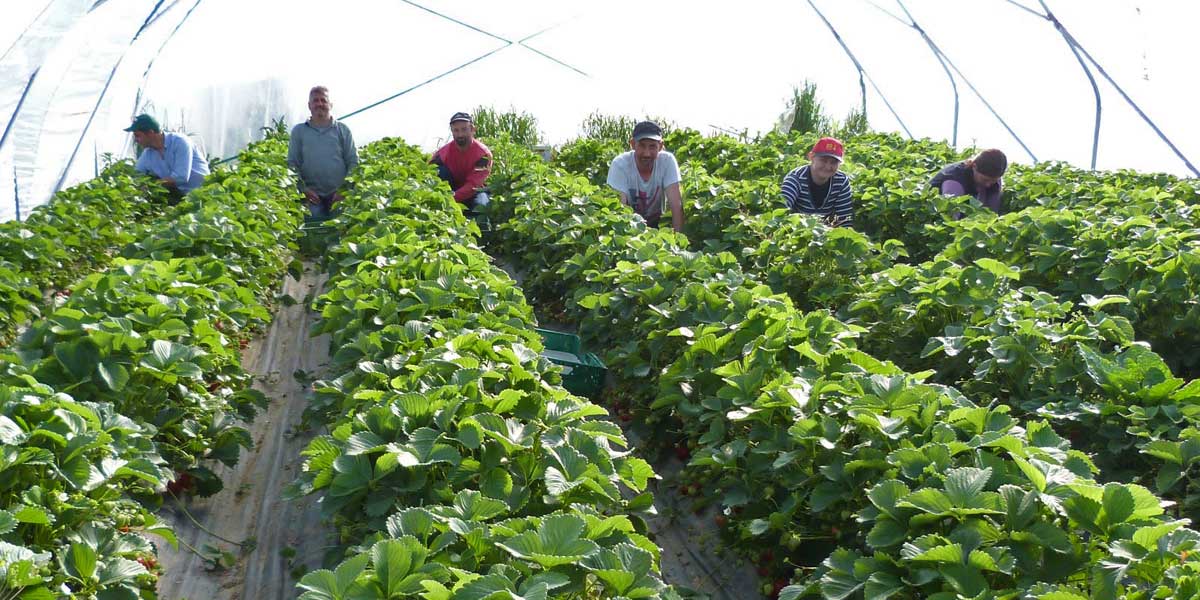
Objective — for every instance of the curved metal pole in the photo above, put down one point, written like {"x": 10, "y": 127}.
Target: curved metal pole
{"x": 1096, "y": 93}
{"x": 992, "y": 110}
{"x": 861, "y": 71}
{"x": 937, "y": 53}
{"x": 137, "y": 100}
{"x": 19, "y": 37}
{"x": 1082, "y": 65}
{"x": 17, "y": 110}
{"x": 99, "y": 99}
{"x": 1075, "y": 44}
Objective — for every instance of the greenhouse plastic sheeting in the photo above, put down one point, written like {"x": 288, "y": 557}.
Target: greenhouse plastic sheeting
{"x": 221, "y": 70}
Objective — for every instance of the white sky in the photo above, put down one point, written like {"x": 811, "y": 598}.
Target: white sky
{"x": 700, "y": 63}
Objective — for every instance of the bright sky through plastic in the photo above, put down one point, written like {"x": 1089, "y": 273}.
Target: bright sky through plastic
{"x": 234, "y": 65}
{"x": 720, "y": 64}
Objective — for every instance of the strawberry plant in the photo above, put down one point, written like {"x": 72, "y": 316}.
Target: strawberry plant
{"x": 77, "y": 232}
{"x": 803, "y": 440}
{"x": 455, "y": 463}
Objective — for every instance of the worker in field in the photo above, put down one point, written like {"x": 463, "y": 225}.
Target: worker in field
{"x": 170, "y": 157}
{"x": 322, "y": 153}
{"x": 465, "y": 163}
{"x": 647, "y": 177}
{"x": 980, "y": 177}
{"x": 820, "y": 187}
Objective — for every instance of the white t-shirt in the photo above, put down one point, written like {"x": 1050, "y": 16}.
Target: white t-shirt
{"x": 645, "y": 197}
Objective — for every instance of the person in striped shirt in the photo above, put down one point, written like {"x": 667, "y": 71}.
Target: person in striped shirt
{"x": 820, "y": 188}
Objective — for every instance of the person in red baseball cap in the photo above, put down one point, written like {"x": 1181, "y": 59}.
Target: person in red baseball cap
{"x": 820, "y": 188}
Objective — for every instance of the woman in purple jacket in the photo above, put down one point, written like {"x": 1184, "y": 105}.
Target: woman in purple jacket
{"x": 979, "y": 177}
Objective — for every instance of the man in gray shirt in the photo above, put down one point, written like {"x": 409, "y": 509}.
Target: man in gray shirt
{"x": 647, "y": 177}
{"x": 322, "y": 153}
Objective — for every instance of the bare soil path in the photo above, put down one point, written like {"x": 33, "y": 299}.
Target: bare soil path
{"x": 276, "y": 536}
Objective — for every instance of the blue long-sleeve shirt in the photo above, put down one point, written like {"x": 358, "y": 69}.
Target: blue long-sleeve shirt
{"x": 179, "y": 160}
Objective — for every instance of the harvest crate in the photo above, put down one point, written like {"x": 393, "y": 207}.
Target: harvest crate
{"x": 583, "y": 373}
{"x": 317, "y": 234}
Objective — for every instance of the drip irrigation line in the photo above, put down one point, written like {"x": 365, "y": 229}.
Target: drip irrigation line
{"x": 27, "y": 28}
{"x": 100, "y": 99}
{"x": 861, "y": 71}
{"x": 937, "y": 53}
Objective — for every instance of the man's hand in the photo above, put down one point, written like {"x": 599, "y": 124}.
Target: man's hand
{"x": 836, "y": 221}
{"x": 337, "y": 197}
{"x": 312, "y": 197}
{"x": 675, "y": 202}
{"x": 168, "y": 181}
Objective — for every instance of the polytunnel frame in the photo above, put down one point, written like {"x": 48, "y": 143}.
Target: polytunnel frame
{"x": 153, "y": 16}
{"x": 507, "y": 43}
{"x": 1076, "y": 48}
{"x": 944, "y": 60}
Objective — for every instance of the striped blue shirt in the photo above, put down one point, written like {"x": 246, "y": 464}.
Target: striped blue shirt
{"x": 837, "y": 204}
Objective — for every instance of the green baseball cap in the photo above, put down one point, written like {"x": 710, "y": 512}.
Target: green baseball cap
{"x": 143, "y": 122}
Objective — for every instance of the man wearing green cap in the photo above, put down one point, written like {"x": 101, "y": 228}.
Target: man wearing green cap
{"x": 170, "y": 157}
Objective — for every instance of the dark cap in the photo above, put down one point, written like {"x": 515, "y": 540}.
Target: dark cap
{"x": 460, "y": 116}
{"x": 647, "y": 130}
{"x": 143, "y": 122}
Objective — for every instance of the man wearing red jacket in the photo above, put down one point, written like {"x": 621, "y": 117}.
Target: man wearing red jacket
{"x": 464, "y": 162}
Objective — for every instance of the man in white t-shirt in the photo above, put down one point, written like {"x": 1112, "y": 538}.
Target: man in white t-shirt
{"x": 646, "y": 177}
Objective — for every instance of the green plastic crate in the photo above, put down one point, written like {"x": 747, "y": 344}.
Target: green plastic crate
{"x": 583, "y": 373}
{"x": 486, "y": 230}
{"x": 317, "y": 234}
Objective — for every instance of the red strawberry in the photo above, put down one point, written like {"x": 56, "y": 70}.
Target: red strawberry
{"x": 778, "y": 587}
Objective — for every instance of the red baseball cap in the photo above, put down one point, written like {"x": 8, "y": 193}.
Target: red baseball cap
{"x": 828, "y": 146}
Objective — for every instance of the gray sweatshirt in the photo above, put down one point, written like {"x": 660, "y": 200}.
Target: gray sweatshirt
{"x": 322, "y": 156}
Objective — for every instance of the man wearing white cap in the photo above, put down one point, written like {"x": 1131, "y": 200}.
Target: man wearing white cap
{"x": 647, "y": 176}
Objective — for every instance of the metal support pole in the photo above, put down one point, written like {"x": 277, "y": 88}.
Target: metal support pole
{"x": 861, "y": 71}
{"x": 16, "y": 194}
{"x": 17, "y": 110}
{"x": 937, "y": 53}
{"x": 100, "y": 99}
